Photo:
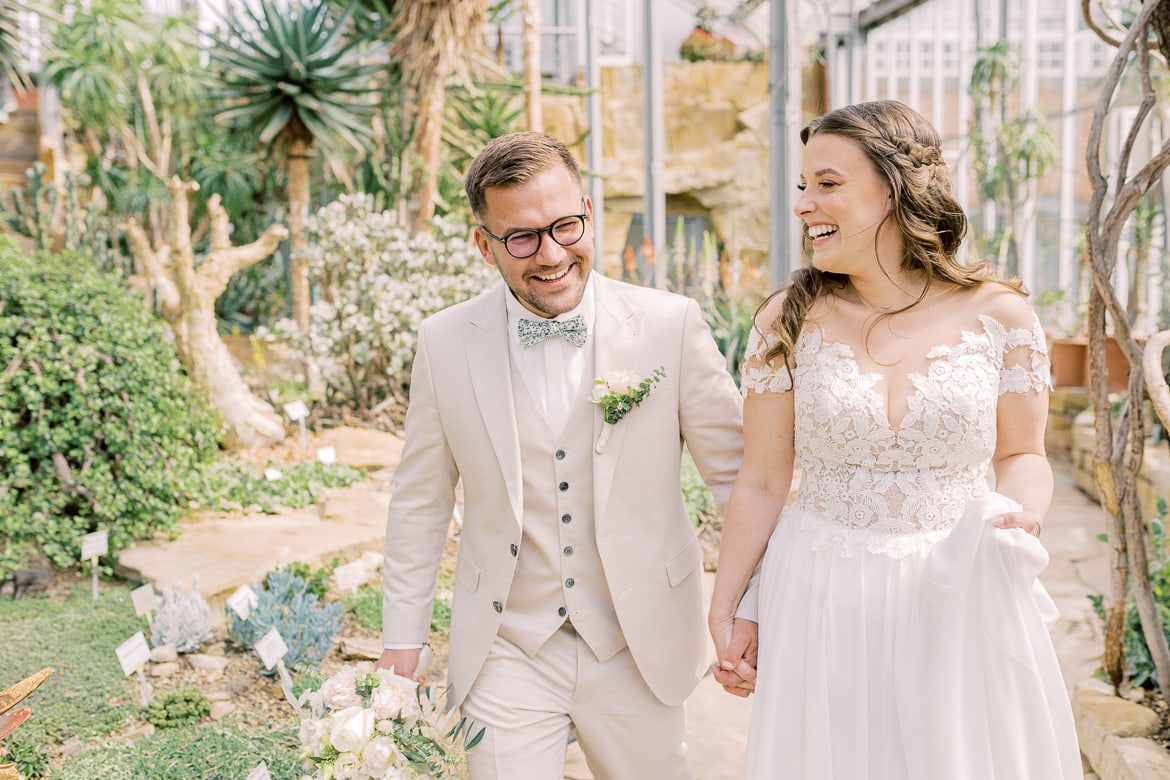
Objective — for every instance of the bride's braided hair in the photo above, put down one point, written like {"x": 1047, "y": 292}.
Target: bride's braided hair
{"x": 905, "y": 151}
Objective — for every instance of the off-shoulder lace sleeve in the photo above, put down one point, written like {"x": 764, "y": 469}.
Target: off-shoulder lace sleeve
{"x": 757, "y": 375}
{"x": 1025, "y": 366}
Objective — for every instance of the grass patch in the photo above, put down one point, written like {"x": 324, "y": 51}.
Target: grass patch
{"x": 86, "y": 696}
{"x": 227, "y": 750}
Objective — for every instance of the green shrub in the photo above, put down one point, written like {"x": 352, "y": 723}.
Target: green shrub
{"x": 701, "y": 46}
{"x": 182, "y": 707}
{"x": 98, "y": 424}
{"x": 286, "y": 603}
{"x": 697, "y": 497}
{"x": 232, "y": 487}
{"x": 1139, "y": 663}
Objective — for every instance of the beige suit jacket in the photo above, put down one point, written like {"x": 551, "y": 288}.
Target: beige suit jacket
{"x": 462, "y": 424}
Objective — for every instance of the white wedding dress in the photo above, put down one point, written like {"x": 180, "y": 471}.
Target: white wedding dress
{"x": 903, "y": 637}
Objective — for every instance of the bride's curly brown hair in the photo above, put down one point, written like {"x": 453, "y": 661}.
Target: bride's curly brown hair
{"x": 905, "y": 150}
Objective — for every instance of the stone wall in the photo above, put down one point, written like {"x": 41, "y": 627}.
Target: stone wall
{"x": 1153, "y": 480}
{"x": 716, "y": 163}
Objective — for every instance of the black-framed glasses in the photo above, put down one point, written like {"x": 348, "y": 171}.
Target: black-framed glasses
{"x": 525, "y": 242}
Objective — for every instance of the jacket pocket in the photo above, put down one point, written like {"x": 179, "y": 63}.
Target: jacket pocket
{"x": 466, "y": 575}
{"x": 682, "y": 563}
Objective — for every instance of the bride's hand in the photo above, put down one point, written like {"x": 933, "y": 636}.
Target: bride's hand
{"x": 737, "y": 647}
{"x": 1030, "y": 521}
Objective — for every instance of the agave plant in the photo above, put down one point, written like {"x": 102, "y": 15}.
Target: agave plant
{"x": 293, "y": 75}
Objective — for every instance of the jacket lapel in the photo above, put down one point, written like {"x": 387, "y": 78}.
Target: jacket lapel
{"x": 616, "y": 347}
{"x": 485, "y": 339}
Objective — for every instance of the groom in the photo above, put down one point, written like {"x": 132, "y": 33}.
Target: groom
{"x": 578, "y": 595}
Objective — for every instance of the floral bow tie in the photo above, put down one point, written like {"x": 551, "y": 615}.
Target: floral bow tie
{"x": 572, "y": 330}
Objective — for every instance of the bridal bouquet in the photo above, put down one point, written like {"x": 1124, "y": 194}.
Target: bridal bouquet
{"x": 371, "y": 724}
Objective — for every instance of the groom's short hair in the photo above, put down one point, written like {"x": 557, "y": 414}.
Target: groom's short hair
{"x": 513, "y": 159}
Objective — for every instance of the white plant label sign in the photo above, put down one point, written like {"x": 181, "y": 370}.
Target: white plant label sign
{"x": 296, "y": 410}
{"x": 243, "y": 601}
{"x": 133, "y": 654}
{"x": 327, "y": 455}
{"x": 350, "y": 576}
{"x": 271, "y": 648}
{"x": 145, "y": 600}
{"x": 259, "y": 773}
{"x": 95, "y": 545}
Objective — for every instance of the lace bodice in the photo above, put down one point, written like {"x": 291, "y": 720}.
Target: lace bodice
{"x": 862, "y": 474}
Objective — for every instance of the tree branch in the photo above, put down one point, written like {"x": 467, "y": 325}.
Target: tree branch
{"x": 219, "y": 266}
{"x": 157, "y": 273}
{"x": 1087, "y": 13}
{"x": 1155, "y": 377}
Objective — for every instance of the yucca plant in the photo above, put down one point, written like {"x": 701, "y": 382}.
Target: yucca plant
{"x": 293, "y": 75}
{"x": 12, "y": 38}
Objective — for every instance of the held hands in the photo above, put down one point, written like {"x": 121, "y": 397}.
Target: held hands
{"x": 737, "y": 647}
{"x": 1030, "y": 521}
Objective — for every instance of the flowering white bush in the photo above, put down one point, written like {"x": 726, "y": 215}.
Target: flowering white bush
{"x": 375, "y": 283}
{"x": 371, "y": 724}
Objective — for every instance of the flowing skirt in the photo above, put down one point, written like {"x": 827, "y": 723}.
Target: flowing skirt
{"x": 922, "y": 659}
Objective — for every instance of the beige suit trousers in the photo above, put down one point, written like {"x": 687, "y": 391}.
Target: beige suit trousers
{"x": 528, "y": 705}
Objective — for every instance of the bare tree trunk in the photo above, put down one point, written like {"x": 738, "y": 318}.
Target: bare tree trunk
{"x": 1118, "y": 455}
{"x": 532, "y": 80}
{"x": 298, "y": 212}
{"x": 187, "y": 298}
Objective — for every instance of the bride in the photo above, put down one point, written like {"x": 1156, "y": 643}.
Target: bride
{"x": 902, "y": 631}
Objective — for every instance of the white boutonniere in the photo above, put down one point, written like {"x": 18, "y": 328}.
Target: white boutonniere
{"x": 617, "y": 393}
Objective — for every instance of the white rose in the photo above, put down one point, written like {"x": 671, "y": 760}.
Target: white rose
{"x": 622, "y": 382}
{"x": 377, "y": 756}
{"x": 600, "y": 391}
{"x": 350, "y": 728}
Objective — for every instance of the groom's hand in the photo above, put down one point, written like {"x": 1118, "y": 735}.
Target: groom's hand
{"x": 736, "y": 670}
{"x": 404, "y": 663}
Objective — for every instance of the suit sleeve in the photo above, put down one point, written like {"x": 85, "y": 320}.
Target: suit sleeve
{"x": 711, "y": 413}
{"x": 420, "y": 513}
{"x": 710, "y": 408}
